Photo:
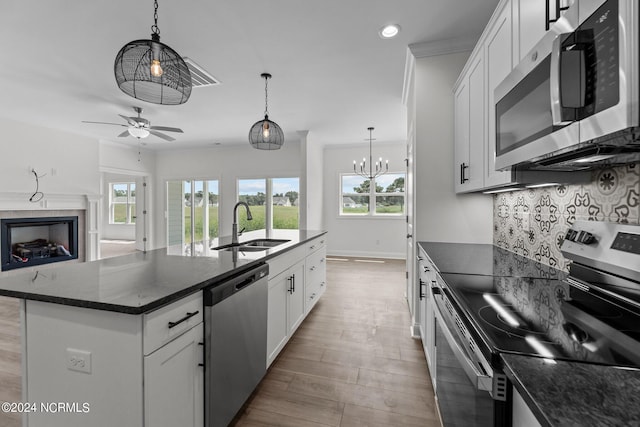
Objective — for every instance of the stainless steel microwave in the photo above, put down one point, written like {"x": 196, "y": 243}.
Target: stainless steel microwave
{"x": 572, "y": 103}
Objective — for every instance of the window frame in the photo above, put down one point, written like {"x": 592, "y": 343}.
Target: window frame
{"x": 128, "y": 204}
{"x": 268, "y": 180}
{"x": 373, "y": 195}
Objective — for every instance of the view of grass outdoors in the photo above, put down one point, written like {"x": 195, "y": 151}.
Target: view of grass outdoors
{"x": 388, "y": 197}
{"x": 284, "y": 199}
{"x": 123, "y": 201}
{"x": 205, "y": 209}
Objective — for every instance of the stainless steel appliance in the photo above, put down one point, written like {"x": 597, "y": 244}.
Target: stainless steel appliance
{"x": 590, "y": 315}
{"x": 235, "y": 319}
{"x": 573, "y": 102}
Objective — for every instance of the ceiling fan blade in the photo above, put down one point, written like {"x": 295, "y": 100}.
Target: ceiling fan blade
{"x": 129, "y": 120}
{"x": 161, "y": 135}
{"x": 123, "y": 134}
{"x": 166, "y": 129}
{"x": 105, "y": 123}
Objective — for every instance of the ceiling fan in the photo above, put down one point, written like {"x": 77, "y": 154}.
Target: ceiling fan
{"x": 140, "y": 128}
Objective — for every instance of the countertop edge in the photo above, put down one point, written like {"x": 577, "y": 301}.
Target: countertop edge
{"x": 160, "y": 302}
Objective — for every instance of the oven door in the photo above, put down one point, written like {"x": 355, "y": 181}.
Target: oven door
{"x": 465, "y": 382}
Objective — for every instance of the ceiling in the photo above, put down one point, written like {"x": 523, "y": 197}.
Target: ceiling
{"x": 332, "y": 74}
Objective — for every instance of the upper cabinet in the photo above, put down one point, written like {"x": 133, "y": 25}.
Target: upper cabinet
{"x": 514, "y": 29}
{"x": 470, "y": 131}
{"x": 532, "y": 19}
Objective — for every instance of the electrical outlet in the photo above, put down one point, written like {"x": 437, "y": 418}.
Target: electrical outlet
{"x": 79, "y": 360}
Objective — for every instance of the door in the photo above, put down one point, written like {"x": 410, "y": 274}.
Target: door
{"x": 277, "y": 327}
{"x": 174, "y": 382}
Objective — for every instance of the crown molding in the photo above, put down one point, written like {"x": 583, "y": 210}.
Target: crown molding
{"x": 442, "y": 47}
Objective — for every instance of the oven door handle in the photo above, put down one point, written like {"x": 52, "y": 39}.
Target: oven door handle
{"x": 477, "y": 378}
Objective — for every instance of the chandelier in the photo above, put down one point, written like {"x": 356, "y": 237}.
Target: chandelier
{"x": 371, "y": 172}
{"x": 151, "y": 71}
{"x": 266, "y": 134}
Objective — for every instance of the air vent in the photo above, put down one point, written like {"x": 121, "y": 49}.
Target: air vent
{"x": 200, "y": 77}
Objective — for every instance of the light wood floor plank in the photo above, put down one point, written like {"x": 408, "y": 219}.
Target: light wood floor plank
{"x": 355, "y": 350}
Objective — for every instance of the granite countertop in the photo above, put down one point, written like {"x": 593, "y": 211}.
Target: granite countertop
{"x": 576, "y": 394}
{"x": 143, "y": 281}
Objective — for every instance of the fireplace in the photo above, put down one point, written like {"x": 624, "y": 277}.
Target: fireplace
{"x": 26, "y": 242}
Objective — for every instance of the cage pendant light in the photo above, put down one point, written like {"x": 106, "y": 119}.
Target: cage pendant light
{"x": 151, "y": 71}
{"x": 266, "y": 134}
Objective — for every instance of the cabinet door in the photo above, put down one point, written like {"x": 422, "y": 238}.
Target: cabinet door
{"x": 277, "y": 327}
{"x": 500, "y": 61}
{"x": 461, "y": 135}
{"x": 174, "y": 382}
{"x": 296, "y": 298}
{"x": 531, "y": 22}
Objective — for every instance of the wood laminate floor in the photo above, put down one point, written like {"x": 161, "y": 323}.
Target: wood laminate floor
{"x": 352, "y": 362}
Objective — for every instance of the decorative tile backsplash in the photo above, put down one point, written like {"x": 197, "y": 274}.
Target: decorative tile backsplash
{"x": 533, "y": 222}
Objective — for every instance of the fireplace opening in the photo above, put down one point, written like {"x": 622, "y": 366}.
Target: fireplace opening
{"x": 26, "y": 242}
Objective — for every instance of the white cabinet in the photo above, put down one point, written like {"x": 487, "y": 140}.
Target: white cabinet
{"x": 530, "y": 20}
{"x": 297, "y": 279}
{"x": 316, "y": 278}
{"x": 427, "y": 277}
{"x": 174, "y": 382}
{"x": 498, "y": 49}
{"x": 135, "y": 370}
{"x": 522, "y": 416}
{"x": 470, "y": 130}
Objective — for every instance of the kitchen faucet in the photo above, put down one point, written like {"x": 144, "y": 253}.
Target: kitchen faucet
{"x": 234, "y": 228}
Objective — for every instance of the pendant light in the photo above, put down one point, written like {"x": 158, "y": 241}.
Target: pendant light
{"x": 151, "y": 71}
{"x": 266, "y": 134}
{"x": 362, "y": 169}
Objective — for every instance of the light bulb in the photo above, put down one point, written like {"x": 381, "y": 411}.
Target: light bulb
{"x": 265, "y": 130}
{"x": 156, "y": 69}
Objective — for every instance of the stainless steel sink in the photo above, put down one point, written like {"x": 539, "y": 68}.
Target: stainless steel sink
{"x": 255, "y": 245}
{"x": 268, "y": 243}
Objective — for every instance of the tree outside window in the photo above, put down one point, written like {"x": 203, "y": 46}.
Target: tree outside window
{"x": 386, "y": 197}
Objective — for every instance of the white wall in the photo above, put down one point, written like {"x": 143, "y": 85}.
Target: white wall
{"x": 69, "y": 161}
{"x": 314, "y": 184}
{"x": 128, "y": 163}
{"x": 441, "y": 215}
{"x": 358, "y": 236}
{"x": 224, "y": 164}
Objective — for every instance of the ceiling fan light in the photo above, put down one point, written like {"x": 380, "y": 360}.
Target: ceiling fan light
{"x": 138, "y": 132}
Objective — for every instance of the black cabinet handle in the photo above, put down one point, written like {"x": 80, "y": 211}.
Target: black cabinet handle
{"x": 293, "y": 281}
{"x": 290, "y": 280}
{"x": 547, "y": 11}
{"x": 463, "y": 167}
{"x": 184, "y": 319}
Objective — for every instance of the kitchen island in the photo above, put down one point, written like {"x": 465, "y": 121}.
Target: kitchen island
{"x": 119, "y": 341}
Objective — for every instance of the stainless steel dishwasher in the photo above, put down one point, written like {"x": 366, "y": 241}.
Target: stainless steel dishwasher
{"x": 235, "y": 319}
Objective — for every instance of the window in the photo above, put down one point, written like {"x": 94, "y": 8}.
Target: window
{"x": 281, "y": 213}
{"x": 122, "y": 203}
{"x": 385, "y": 198}
{"x": 192, "y": 211}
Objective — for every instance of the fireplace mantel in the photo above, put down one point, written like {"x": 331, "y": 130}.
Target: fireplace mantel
{"x": 14, "y": 204}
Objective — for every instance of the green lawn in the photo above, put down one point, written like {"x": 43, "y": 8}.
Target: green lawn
{"x": 120, "y": 213}
{"x": 284, "y": 217}
{"x": 380, "y": 209}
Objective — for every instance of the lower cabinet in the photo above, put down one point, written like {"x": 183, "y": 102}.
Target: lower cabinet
{"x": 286, "y": 308}
{"x": 427, "y": 277}
{"x": 117, "y": 369}
{"x": 297, "y": 279}
{"x": 174, "y": 382}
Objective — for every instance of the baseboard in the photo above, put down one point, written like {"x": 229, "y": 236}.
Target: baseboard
{"x": 361, "y": 254}
{"x": 415, "y": 331}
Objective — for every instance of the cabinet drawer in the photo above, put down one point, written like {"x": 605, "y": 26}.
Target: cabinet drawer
{"x": 315, "y": 244}
{"x": 316, "y": 264}
{"x": 171, "y": 321}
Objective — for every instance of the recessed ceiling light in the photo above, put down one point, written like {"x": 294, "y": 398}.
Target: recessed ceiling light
{"x": 389, "y": 31}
